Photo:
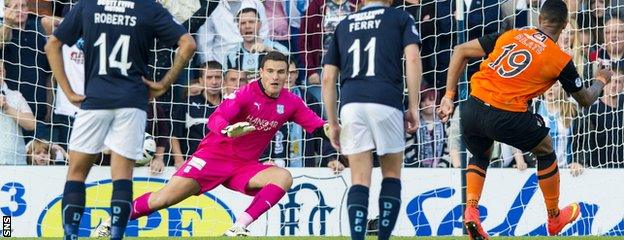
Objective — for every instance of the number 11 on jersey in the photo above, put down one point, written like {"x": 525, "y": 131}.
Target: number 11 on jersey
{"x": 370, "y": 48}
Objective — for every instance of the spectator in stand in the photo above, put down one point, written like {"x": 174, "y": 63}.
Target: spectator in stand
{"x": 613, "y": 49}
{"x": 64, "y": 111}
{"x": 573, "y": 8}
{"x": 435, "y": 25}
{"x": 558, "y": 112}
{"x": 220, "y": 34}
{"x": 513, "y": 157}
{"x": 599, "y": 132}
{"x": 163, "y": 57}
{"x": 44, "y": 153}
{"x": 527, "y": 11}
{"x": 592, "y": 17}
{"x": 292, "y": 146}
{"x": 454, "y": 141}
{"x": 190, "y": 119}
{"x": 278, "y": 22}
{"x": 249, "y": 54}
{"x": 26, "y": 65}
{"x": 573, "y": 41}
{"x": 234, "y": 79}
{"x": 15, "y": 114}
{"x": 585, "y": 41}
{"x": 485, "y": 17}
{"x": 73, "y": 61}
{"x": 317, "y": 29}
{"x": 158, "y": 127}
{"x": 295, "y": 10}
{"x": 429, "y": 142}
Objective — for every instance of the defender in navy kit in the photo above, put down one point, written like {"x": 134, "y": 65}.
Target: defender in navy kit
{"x": 367, "y": 50}
{"x": 117, "y": 38}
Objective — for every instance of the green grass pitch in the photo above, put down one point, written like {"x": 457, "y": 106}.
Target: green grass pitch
{"x": 346, "y": 238}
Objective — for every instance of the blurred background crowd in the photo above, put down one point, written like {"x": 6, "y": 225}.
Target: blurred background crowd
{"x": 232, "y": 37}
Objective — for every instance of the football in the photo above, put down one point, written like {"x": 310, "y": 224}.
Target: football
{"x": 149, "y": 149}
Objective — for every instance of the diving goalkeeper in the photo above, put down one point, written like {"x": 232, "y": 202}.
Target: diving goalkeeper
{"x": 240, "y": 129}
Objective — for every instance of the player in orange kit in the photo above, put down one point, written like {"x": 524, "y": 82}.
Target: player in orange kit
{"x": 520, "y": 64}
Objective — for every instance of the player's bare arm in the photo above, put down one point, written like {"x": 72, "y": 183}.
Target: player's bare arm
{"x": 587, "y": 96}
{"x": 185, "y": 51}
{"x": 330, "y": 74}
{"x": 413, "y": 72}
{"x": 55, "y": 58}
{"x": 461, "y": 54}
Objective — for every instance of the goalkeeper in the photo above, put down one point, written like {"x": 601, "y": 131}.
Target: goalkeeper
{"x": 240, "y": 129}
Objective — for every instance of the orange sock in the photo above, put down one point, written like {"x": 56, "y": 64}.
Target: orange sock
{"x": 548, "y": 178}
{"x": 475, "y": 177}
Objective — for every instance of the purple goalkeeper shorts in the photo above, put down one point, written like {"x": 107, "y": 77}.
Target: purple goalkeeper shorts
{"x": 210, "y": 173}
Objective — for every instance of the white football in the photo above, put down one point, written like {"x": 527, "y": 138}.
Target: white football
{"x": 149, "y": 149}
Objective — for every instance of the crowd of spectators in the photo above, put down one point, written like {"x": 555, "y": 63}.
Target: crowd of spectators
{"x": 234, "y": 35}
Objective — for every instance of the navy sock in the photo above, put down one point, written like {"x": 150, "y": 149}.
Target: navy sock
{"x": 389, "y": 206}
{"x": 357, "y": 207}
{"x": 121, "y": 206}
{"x": 73, "y": 206}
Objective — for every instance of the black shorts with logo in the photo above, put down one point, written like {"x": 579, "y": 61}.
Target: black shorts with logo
{"x": 482, "y": 124}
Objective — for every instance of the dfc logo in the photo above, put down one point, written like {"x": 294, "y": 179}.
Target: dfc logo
{"x": 203, "y": 215}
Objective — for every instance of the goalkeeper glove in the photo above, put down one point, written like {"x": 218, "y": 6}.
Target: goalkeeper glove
{"x": 238, "y": 129}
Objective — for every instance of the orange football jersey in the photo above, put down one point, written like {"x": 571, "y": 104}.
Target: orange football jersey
{"x": 523, "y": 64}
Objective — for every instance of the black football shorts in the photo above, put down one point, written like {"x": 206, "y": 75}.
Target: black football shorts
{"x": 482, "y": 124}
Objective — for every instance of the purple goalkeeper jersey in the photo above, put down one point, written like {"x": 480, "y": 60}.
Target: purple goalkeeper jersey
{"x": 267, "y": 114}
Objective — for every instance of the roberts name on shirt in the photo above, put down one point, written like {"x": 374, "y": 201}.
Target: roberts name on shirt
{"x": 115, "y": 19}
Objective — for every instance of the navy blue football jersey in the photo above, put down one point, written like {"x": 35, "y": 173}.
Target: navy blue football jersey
{"x": 368, "y": 49}
{"x": 118, "y": 35}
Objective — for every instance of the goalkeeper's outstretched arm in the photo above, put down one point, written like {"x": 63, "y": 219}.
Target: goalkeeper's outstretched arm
{"x": 223, "y": 115}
